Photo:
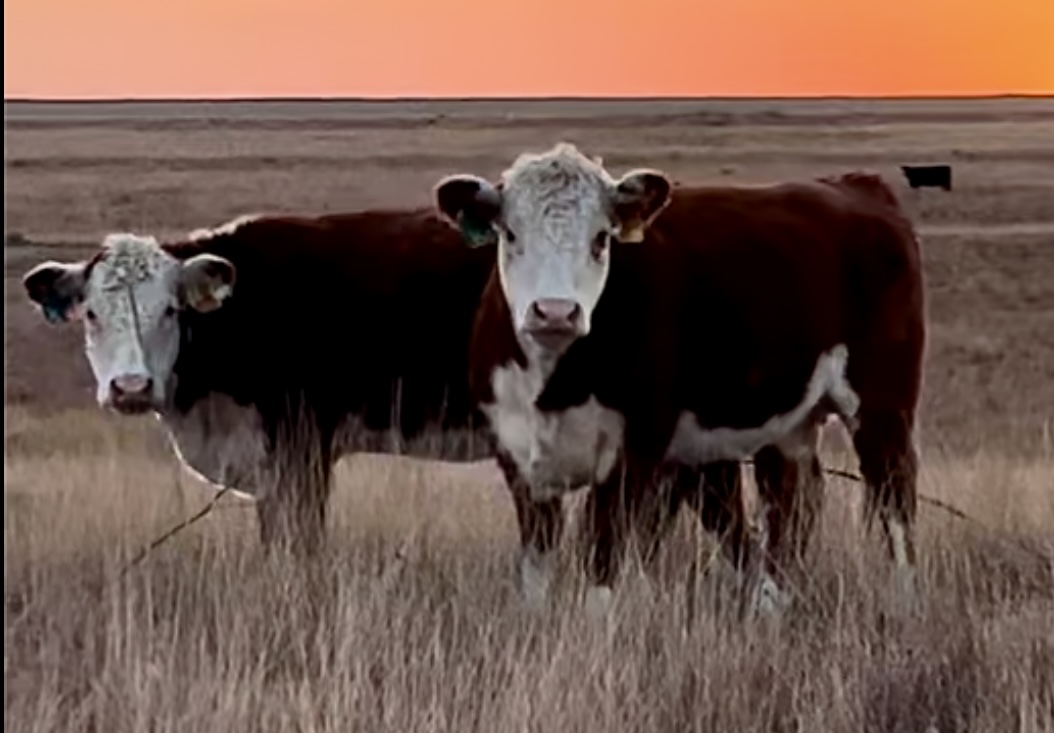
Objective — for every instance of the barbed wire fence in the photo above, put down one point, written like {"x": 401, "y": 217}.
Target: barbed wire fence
{"x": 934, "y": 502}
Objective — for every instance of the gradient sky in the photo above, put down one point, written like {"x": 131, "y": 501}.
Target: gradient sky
{"x": 388, "y": 48}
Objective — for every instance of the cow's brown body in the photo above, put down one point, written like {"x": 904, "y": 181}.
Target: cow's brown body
{"x": 722, "y": 311}
{"x": 344, "y": 333}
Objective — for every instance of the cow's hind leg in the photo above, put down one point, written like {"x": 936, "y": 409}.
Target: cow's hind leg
{"x": 790, "y": 495}
{"x": 718, "y": 501}
{"x": 541, "y": 528}
{"x": 889, "y": 463}
{"x": 791, "y": 488}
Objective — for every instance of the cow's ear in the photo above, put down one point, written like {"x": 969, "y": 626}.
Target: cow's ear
{"x": 472, "y": 204}
{"x": 57, "y": 288}
{"x": 638, "y": 198}
{"x": 207, "y": 281}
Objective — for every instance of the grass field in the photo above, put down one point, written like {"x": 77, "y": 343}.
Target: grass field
{"x": 409, "y": 622}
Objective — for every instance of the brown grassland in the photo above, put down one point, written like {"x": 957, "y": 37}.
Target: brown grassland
{"x": 409, "y": 623}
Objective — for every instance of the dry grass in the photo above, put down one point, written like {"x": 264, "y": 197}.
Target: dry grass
{"x": 409, "y": 623}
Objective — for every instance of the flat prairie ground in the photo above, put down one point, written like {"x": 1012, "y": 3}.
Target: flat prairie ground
{"x": 409, "y": 622}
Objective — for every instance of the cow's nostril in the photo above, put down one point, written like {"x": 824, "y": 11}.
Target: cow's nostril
{"x": 576, "y": 313}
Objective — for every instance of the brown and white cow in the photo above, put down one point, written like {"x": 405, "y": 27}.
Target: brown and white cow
{"x": 272, "y": 346}
{"x": 631, "y": 330}
{"x": 269, "y": 347}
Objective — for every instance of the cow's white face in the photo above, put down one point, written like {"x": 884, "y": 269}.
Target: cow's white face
{"x": 553, "y": 216}
{"x": 129, "y": 298}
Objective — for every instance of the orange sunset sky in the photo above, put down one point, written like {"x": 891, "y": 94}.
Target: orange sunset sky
{"x": 391, "y": 48}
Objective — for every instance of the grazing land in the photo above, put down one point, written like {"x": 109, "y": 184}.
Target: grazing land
{"x": 409, "y": 623}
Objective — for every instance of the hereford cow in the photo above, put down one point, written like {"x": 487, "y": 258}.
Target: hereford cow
{"x": 270, "y": 347}
{"x": 628, "y": 331}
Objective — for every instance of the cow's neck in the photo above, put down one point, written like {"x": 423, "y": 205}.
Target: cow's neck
{"x": 540, "y": 362}
{"x": 222, "y": 442}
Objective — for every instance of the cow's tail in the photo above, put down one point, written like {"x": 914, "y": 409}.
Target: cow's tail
{"x": 871, "y": 185}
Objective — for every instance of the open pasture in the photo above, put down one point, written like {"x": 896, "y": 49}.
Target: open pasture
{"x": 409, "y": 624}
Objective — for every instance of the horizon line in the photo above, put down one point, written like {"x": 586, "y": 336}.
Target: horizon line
{"x": 522, "y": 98}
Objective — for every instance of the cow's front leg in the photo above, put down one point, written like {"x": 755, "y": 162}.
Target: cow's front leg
{"x": 541, "y": 528}
{"x": 611, "y": 509}
{"x": 294, "y": 517}
{"x": 292, "y": 506}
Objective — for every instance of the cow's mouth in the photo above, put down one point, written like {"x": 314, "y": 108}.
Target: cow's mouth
{"x": 553, "y": 339}
{"x": 132, "y": 406}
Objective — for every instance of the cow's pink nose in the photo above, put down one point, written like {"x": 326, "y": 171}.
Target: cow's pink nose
{"x": 555, "y": 314}
{"x": 131, "y": 384}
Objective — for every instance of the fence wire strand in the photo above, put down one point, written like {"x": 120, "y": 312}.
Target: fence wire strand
{"x": 838, "y": 472}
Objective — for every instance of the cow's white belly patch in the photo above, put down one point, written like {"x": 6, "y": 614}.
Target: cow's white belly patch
{"x": 224, "y": 444}
{"x": 554, "y": 452}
{"x": 792, "y": 432}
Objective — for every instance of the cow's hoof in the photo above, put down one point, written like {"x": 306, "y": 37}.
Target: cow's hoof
{"x": 534, "y": 578}
{"x": 598, "y": 601}
{"x": 767, "y": 599}
{"x": 904, "y": 592}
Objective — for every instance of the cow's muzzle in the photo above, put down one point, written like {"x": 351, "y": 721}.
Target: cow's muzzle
{"x": 554, "y": 323}
{"x": 132, "y": 394}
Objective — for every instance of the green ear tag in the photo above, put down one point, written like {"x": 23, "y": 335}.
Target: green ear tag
{"x": 56, "y": 309}
{"x": 54, "y": 314}
{"x": 474, "y": 234}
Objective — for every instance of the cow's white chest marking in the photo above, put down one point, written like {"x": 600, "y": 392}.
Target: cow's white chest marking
{"x": 555, "y": 452}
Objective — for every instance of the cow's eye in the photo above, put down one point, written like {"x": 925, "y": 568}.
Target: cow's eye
{"x": 510, "y": 236}
{"x": 170, "y": 311}
{"x": 90, "y": 315}
{"x": 600, "y": 244}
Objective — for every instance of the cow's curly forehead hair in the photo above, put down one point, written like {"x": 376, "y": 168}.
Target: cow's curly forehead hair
{"x": 562, "y": 171}
{"x": 126, "y": 259}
